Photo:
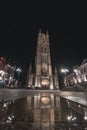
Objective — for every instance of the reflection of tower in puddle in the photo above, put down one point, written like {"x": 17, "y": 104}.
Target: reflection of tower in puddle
{"x": 44, "y": 114}
{"x": 58, "y": 111}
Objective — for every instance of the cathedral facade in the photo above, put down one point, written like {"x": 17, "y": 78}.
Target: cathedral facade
{"x": 43, "y": 77}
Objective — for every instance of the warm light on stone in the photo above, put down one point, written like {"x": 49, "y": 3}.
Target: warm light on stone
{"x": 45, "y": 100}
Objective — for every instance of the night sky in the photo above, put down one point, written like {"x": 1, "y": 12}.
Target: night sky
{"x": 68, "y": 38}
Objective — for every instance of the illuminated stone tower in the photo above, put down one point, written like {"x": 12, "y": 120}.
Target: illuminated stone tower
{"x": 43, "y": 77}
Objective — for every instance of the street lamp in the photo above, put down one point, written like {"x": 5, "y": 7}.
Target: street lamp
{"x": 65, "y": 71}
{"x": 19, "y": 71}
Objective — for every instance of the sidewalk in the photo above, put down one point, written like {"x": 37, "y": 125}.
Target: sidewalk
{"x": 76, "y": 88}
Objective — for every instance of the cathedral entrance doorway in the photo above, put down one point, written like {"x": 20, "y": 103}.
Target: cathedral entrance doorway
{"x": 45, "y": 84}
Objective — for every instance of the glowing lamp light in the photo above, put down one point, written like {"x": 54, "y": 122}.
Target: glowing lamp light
{"x": 64, "y": 70}
{"x": 18, "y": 70}
{"x": 85, "y": 118}
{"x": 2, "y": 72}
{"x": 5, "y": 105}
{"x": 69, "y": 118}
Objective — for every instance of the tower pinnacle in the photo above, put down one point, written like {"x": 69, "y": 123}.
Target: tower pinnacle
{"x": 39, "y": 31}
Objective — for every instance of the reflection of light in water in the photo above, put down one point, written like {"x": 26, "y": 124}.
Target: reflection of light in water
{"x": 79, "y": 105}
{"x": 45, "y": 100}
{"x": 71, "y": 118}
{"x": 5, "y": 105}
{"x": 85, "y": 118}
{"x": 10, "y": 118}
{"x": 74, "y": 118}
{"x": 85, "y": 113}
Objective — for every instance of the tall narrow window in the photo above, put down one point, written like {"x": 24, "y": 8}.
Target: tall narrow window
{"x": 41, "y": 49}
{"x": 45, "y": 50}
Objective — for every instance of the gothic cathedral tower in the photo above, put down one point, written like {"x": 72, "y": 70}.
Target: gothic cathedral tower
{"x": 43, "y": 78}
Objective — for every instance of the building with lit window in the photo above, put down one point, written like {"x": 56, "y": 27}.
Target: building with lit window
{"x": 43, "y": 77}
{"x": 6, "y": 73}
{"x": 79, "y": 75}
